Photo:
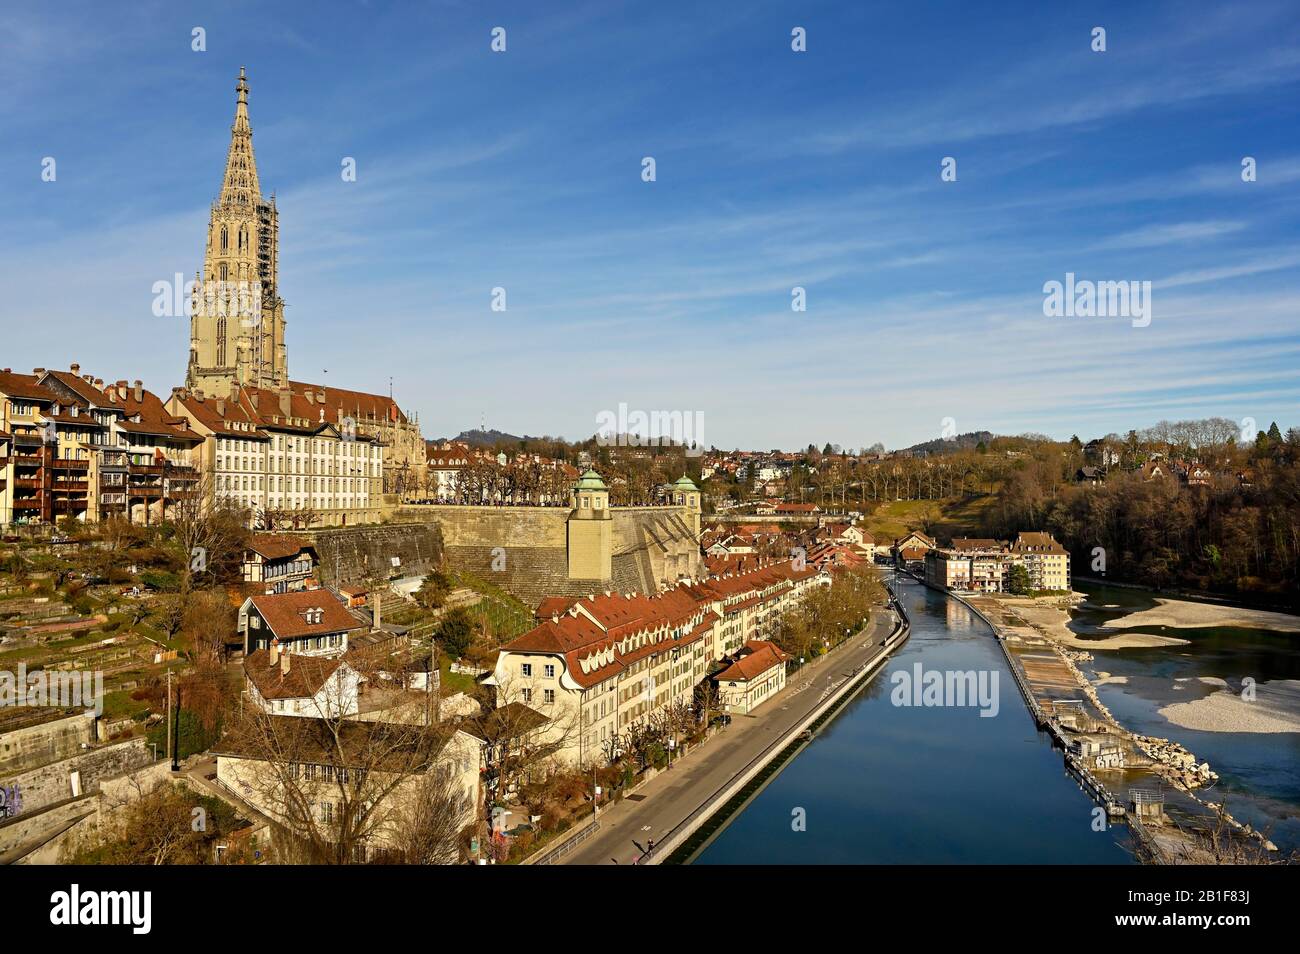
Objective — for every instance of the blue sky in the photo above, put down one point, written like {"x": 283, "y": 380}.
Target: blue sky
{"x": 775, "y": 169}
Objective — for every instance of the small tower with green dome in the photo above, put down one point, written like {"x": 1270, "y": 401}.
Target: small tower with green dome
{"x": 590, "y": 530}
{"x": 685, "y": 494}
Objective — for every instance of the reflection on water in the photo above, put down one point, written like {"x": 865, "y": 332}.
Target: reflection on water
{"x": 1259, "y": 773}
{"x": 884, "y": 784}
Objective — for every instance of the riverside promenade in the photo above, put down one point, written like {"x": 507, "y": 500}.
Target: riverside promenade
{"x": 701, "y": 782}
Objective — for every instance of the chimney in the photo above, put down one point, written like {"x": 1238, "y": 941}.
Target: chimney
{"x": 221, "y": 408}
{"x": 252, "y": 399}
{"x": 310, "y": 396}
{"x": 38, "y": 371}
{"x": 139, "y": 392}
{"x": 285, "y": 402}
{"x": 75, "y": 368}
{"x": 379, "y": 610}
{"x": 284, "y": 663}
{"x": 275, "y": 652}
{"x": 198, "y": 395}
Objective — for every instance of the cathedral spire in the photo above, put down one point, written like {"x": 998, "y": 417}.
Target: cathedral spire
{"x": 240, "y": 186}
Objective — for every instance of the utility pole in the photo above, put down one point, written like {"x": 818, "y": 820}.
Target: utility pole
{"x": 169, "y": 717}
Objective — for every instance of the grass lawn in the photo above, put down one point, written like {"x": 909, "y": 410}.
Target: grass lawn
{"x": 950, "y": 517}
{"x": 455, "y": 681}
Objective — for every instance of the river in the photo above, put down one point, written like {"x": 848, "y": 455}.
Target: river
{"x": 887, "y": 784}
{"x": 1259, "y": 774}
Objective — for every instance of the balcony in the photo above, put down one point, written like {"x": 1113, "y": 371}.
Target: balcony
{"x": 71, "y": 486}
{"x": 146, "y": 470}
{"x": 66, "y": 463}
{"x": 146, "y": 493}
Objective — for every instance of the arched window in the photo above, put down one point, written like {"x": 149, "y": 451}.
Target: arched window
{"x": 221, "y": 342}
{"x": 225, "y": 238}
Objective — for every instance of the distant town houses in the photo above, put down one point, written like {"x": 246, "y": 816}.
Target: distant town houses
{"x": 459, "y": 474}
{"x": 984, "y": 565}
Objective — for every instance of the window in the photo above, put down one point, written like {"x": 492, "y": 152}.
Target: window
{"x": 550, "y": 672}
{"x": 528, "y": 695}
{"x": 526, "y": 669}
{"x": 548, "y": 696}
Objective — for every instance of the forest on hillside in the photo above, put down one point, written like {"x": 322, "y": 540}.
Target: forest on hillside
{"x": 1238, "y": 534}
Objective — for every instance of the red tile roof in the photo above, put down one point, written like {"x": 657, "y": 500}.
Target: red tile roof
{"x": 763, "y": 655}
{"x": 601, "y": 627}
{"x": 286, "y": 614}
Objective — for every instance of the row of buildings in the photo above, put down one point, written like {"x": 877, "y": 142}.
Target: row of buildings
{"x": 73, "y": 445}
{"x": 984, "y": 565}
{"x": 599, "y": 664}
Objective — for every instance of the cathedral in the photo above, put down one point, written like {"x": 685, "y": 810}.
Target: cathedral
{"x": 237, "y": 325}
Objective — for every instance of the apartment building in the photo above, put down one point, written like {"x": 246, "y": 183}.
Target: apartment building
{"x": 91, "y": 451}
{"x": 598, "y": 665}
{"x": 1046, "y": 560}
{"x": 983, "y": 565}
{"x": 285, "y": 456}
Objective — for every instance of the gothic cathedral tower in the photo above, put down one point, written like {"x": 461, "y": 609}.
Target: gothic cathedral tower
{"x": 237, "y": 326}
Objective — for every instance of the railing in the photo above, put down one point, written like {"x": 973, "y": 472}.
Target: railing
{"x": 552, "y": 855}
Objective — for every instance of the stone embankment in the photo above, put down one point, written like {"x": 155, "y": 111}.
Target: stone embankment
{"x": 1181, "y": 764}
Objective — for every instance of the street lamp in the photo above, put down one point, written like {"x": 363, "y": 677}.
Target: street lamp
{"x": 672, "y": 744}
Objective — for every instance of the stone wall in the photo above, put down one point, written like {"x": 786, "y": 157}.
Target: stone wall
{"x": 51, "y": 783}
{"x": 41, "y": 740}
{"x": 23, "y": 834}
{"x": 525, "y": 549}
{"x": 355, "y": 554}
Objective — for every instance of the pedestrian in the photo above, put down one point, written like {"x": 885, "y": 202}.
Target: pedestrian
{"x": 649, "y": 845}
